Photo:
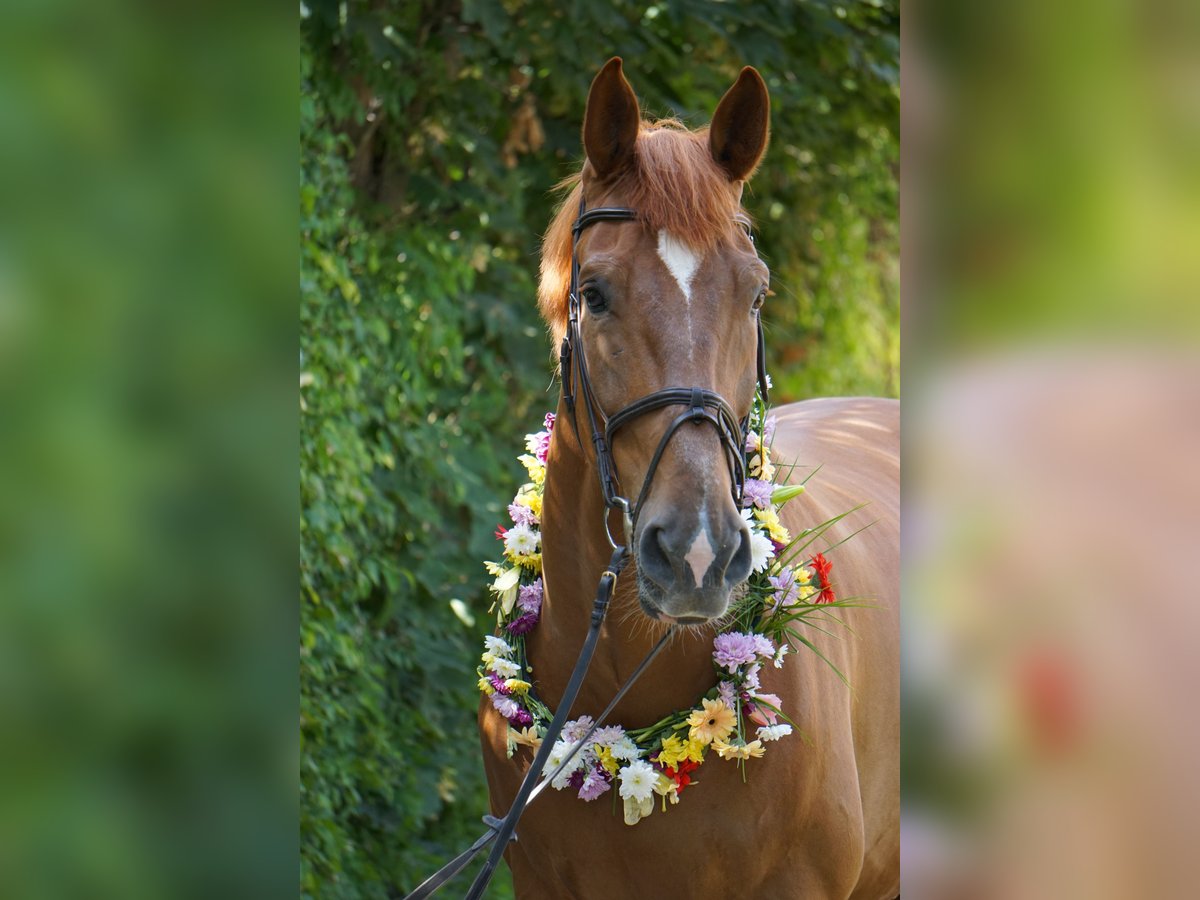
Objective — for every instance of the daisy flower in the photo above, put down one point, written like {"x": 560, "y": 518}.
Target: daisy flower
{"x": 762, "y": 551}
{"x": 521, "y": 540}
{"x": 505, "y": 668}
{"x": 637, "y": 780}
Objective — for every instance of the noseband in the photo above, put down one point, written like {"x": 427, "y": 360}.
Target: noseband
{"x": 700, "y": 404}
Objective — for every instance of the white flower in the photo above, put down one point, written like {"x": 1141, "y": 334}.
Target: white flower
{"x": 637, "y": 780}
{"x": 521, "y": 540}
{"x": 774, "y": 732}
{"x": 762, "y": 551}
{"x": 780, "y": 654}
{"x": 497, "y": 645}
{"x": 625, "y": 749}
{"x": 505, "y": 668}
{"x": 557, "y": 754}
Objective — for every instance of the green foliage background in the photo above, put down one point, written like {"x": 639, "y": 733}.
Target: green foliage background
{"x": 431, "y": 134}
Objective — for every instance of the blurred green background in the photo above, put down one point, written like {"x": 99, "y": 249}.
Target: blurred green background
{"x": 431, "y": 136}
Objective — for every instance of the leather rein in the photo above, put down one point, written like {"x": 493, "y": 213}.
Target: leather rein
{"x": 700, "y": 405}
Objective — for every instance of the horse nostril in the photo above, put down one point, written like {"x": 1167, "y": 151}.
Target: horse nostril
{"x": 738, "y": 568}
{"x": 654, "y": 558}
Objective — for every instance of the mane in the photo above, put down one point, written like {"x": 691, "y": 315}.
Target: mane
{"x": 674, "y": 184}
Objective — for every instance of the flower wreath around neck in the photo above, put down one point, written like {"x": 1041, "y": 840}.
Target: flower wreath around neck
{"x": 788, "y": 585}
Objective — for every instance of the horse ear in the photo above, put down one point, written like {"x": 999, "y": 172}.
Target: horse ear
{"x": 741, "y": 125}
{"x": 610, "y": 125}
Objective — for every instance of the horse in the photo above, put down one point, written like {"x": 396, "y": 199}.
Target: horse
{"x": 672, "y": 299}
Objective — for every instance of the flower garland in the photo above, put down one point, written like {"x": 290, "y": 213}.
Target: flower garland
{"x": 785, "y": 587}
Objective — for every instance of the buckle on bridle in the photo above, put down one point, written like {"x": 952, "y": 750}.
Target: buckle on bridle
{"x": 698, "y": 411}
{"x": 626, "y": 521}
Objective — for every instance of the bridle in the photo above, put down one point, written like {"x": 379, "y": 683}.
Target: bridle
{"x": 701, "y": 404}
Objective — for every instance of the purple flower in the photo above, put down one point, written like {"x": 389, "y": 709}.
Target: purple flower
{"x": 787, "y": 591}
{"x": 763, "y": 646}
{"x": 595, "y": 783}
{"x": 757, "y": 493}
{"x": 576, "y": 729}
{"x": 733, "y": 649}
{"x": 609, "y": 734}
{"x": 549, "y": 421}
{"x": 505, "y": 705}
{"x": 499, "y": 684}
{"x": 726, "y": 694}
{"x": 521, "y": 718}
{"x": 751, "y": 679}
{"x": 522, "y": 515}
{"x": 576, "y": 779}
{"x": 522, "y": 624}
{"x": 530, "y": 597}
{"x": 768, "y": 435}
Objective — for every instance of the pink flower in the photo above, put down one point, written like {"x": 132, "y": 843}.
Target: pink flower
{"x": 506, "y": 706}
{"x": 548, "y": 422}
{"x": 762, "y": 715}
{"x": 521, "y": 515}
{"x": 576, "y": 728}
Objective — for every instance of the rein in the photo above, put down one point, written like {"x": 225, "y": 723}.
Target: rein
{"x": 701, "y": 405}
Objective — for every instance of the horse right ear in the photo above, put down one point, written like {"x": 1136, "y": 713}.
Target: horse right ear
{"x": 610, "y": 125}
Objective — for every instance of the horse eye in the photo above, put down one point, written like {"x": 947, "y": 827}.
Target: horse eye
{"x": 759, "y": 300}
{"x": 595, "y": 300}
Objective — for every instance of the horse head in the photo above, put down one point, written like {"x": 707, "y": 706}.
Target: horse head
{"x": 667, "y": 299}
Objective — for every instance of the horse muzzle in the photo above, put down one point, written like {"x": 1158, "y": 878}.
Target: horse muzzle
{"x": 686, "y": 571}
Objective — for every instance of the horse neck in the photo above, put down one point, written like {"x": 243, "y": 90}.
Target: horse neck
{"x": 575, "y": 550}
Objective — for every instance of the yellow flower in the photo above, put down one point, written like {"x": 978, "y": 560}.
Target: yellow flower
{"x": 761, "y": 468}
{"x": 803, "y": 575}
{"x": 712, "y": 723}
{"x": 536, "y": 470}
{"x": 673, "y": 751}
{"x": 604, "y": 754}
{"x": 485, "y": 685}
{"x": 743, "y": 751}
{"x": 531, "y": 561}
{"x": 770, "y": 520}
{"x": 517, "y": 686}
{"x": 531, "y": 499}
{"x": 667, "y": 789}
{"x": 526, "y": 737}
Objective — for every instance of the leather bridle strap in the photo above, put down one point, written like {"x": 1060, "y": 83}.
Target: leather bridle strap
{"x": 702, "y": 405}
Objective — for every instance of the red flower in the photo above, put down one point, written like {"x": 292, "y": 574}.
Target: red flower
{"x": 679, "y": 774}
{"x": 501, "y": 531}
{"x": 823, "y": 567}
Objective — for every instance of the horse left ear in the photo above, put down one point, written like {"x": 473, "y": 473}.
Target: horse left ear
{"x": 738, "y": 135}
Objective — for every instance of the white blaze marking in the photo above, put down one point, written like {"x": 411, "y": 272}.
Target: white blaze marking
{"x": 682, "y": 262}
{"x": 701, "y": 557}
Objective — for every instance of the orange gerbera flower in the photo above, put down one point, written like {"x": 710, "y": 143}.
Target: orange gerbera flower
{"x": 712, "y": 723}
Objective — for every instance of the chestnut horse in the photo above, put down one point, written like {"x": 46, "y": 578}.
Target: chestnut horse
{"x": 671, "y": 299}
